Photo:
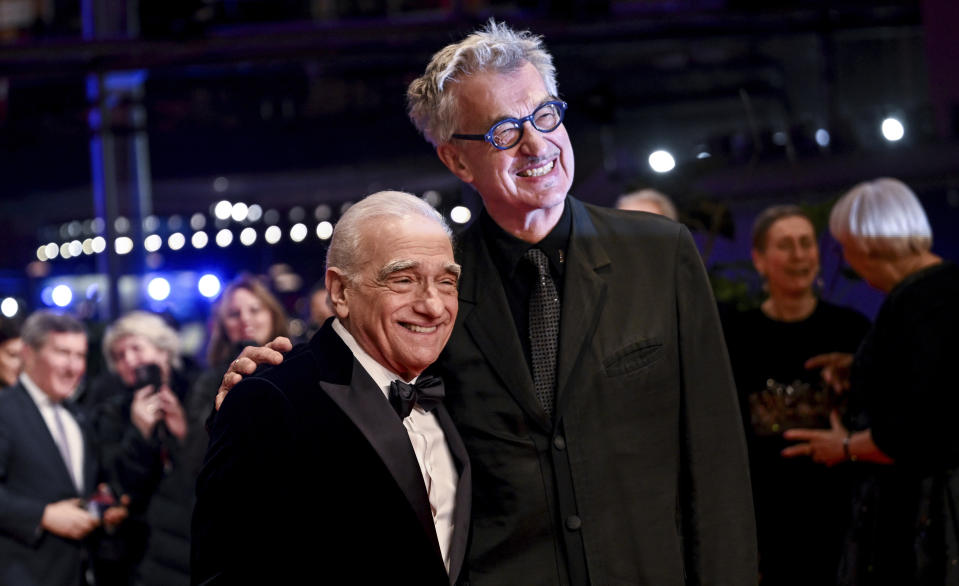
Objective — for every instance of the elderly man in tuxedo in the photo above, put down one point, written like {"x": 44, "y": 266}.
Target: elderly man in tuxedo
{"x": 341, "y": 465}
{"x": 47, "y": 459}
{"x": 587, "y": 371}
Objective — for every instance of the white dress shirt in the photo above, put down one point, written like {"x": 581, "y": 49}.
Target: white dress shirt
{"x": 429, "y": 444}
{"x": 71, "y": 429}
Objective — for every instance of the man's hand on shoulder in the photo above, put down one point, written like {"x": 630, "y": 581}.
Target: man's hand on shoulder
{"x": 248, "y": 361}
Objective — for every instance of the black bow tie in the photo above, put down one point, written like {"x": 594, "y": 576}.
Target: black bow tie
{"x": 427, "y": 392}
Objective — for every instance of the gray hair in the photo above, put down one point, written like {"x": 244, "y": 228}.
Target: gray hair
{"x": 348, "y": 233}
{"x": 495, "y": 47}
{"x": 769, "y": 216}
{"x": 883, "y": 217}
{"x": 659, "y": 198}
{"x": 42, "y": 323}
{"x": 146, "y": 325}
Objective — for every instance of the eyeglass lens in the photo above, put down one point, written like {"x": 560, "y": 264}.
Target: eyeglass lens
{"x": 544, "y": 119}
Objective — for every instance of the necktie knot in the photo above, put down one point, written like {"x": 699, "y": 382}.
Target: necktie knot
{"x": 427, "y": 392}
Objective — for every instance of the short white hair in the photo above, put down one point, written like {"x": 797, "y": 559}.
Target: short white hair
{"x": 346, "y": 242}
{"x": 883, "y": 217}
{"x": 148, "y": 326}
{"x": 659, "y": 198}
{"x": 431, "y": 103}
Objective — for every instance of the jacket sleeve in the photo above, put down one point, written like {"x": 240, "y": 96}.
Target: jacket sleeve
{"x": 715, "y": 505}
{"x": 20, "y": 515}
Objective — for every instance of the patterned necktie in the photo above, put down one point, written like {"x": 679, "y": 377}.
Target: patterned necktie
{"x": 543, "y": 330}
{"x": 427, "y": 392}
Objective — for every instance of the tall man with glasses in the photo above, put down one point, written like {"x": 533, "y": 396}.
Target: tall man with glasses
{"x": 586, "y": 372}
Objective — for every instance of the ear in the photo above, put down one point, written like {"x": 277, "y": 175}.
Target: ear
{"x": 453, "y": 158}
{"x": 336, "y": 289}
{"x": 759, "y": 262}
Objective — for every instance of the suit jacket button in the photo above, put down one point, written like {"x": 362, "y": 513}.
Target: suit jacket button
{"x": 573, "y": 523}
{"x": 559, "y": 442}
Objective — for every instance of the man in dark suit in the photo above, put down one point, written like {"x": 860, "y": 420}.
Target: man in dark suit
{"x": 330, "y": 468}
{"x": 47, "y": 461}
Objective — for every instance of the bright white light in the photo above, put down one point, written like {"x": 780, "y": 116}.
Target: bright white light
{"x": 224, "y": 237}
{"x": 662, "y": 161}
{"x": 53, "y": 251}
{"x": 99, "y": 244}
{"x": 158, "y": 288}
{"x": 460, "y": 214}
{"x": 892, "y": 129}
{"x": 272, "y": 234}
{"x": 152, "y": 243}
{"x": 198, "y": 221}
{"x": 9, "y": 307}
{"x": 62, "y": 296}
{"x": 176, "y": 241}
{"x": 248, "y": 236}
{"x": 822, "y": 137}
{"x": 65, "y": 250}
{"x": 76, "y": 248}
{"x": 88, "y": 246}
{"x": 703, "y": 155}
{"x": 123, "y": 245}
{"x": 324, "y": 230}
{"x": 208, "y": 285}
{"x": 298, "y": 232}
{"x": 42, "y": 253}
{"x": 199, "y": 239}
{"x": 239, "y": 211}
{"x": 254, "y": 213}
{"x": 223, "y": 210}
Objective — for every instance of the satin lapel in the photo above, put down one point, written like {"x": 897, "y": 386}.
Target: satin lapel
{"x": 584, "y": 297}
{"x": 49, "y": 452}
{"x": 364, "y": 403}
{"x": 487, "y": 317}
{"x": 464, "y": 488}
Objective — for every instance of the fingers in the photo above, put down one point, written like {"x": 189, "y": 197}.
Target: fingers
{"x": 835, "y": 421}
{"x": 253, "y": 356}
{"x": 797, "y": 451}
{"x": 280, "y": 344}
{"x": 802, "y": 434}
{"x": 820, "y": 360}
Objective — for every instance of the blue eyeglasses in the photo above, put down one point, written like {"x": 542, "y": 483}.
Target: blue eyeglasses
{"x": 507, "y": 133}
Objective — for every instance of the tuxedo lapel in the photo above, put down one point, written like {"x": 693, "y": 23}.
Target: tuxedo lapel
{"x": 485, "y": 313}
{"x": 464, "y": 491}
{"x": 584, "y": 296}
{"x": 47, "y": 451}
{"x": 363, "y": 402}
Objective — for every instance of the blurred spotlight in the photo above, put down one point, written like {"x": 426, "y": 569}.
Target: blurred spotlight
{"x": 88, "y": 246}
{"x": 9, "y": 307}
{"x": 73, "y": 228}
{"x": 298, "y": 232}
{"x": 209, "y": 285}
{"x": 239, "y": 211}
{"x": 892, "y": 129}
{"x": 176, "y": 241}
{"x": 53, "y": 251}
{"x": 151, "y": 223}
{"x": 224, "y": 237}
{"x": 123, "y": 245}
{"x": 65, "y": 250}
{"x": 93, "y": 291}
{"x": 822, "y": 137}
{"x": 175, "y": 222}
{"x": 703, "y": 155}
{"x": 272, "y": 234}
{"x": 322, "y": 212}
{"x": 248, "y": 236}
{"x": 97, "y": 225}
{"x": 271, "y": 217}
{"x": 345, "y": 206}
{"x": 432, "y": 197}
{"x": 324, "y": 230}
{"x": 223, "y": 210}
{"x": 297, "y": 214}
{"x": 121, "y": 225}
{"x": 46, "y": 295}
{"x": 779, "y": 138}
{"x": 198, "y": 221}
{"x": 254, "y": 213}
{"x": 460, "y": 214}
{"x": 158, "y": 289}
{"x": 76, "y": 248}
{"x": 199, "y": 239}
{"x": 61, "y": 296}
{"x": 661, "y": 161}
{"x": 152, "y": 243}
{"x": 42, "y": 253}
{"x": 99, "y": 244}
{"x": 221, "y": 184}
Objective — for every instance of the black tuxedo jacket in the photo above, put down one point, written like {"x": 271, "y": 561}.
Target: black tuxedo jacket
{"x": 33, "y": 475}
{"x": 310, "y": 478}
{"x": 641, "y": 478}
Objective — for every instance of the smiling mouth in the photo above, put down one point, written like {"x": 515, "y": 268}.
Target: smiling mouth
{"x": 419, "y": 329}
{"x": 538, "y": 171}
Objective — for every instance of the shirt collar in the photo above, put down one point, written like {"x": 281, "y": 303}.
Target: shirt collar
{"x": 35, "y": 392}
{"x": 509, "y": 250}
{"x": 381, "y": 375}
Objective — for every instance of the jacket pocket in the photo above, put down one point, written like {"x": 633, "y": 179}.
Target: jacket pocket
{"x": 633, "y": 357}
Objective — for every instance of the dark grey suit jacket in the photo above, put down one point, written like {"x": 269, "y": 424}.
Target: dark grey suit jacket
{"x": 642, "y": 477}
{"x": 310, "y": 478}
{"x": 33, "y": 475}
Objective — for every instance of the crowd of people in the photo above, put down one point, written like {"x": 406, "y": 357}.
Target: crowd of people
{"x": 551, "y": 401}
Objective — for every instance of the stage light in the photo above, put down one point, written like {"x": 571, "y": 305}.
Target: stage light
{"x": 61, "y": 295}
{"x": 9, "y": 307}
{"x": 123, "y": 245}
{"x": 151, "y": 224}
{"x": 75, "y": 248}
{"x": 254, "y": 213}
{"x": 97, "y": 225}
{"x": 297, "y": 213}
{"x": 432, "y": 197}
{"x": 239, "y": 211}
{"x": 46, "y": 295}
{"x": 224, "y": 237}
{"x": 87, "y": 246}
{"x": 272, "y": 234}
{"x": 703, "y": 155}
{"x": 460, "y": 214}
{"x": 324, "y": 230}
{"x": 198, "y": 221}
{"x": 223, "y": 209}
{"x": 248, "y": 236}
{"x": 208, "y": 285}
{"x": 158, "y": 288}
{"x": 661, "y": 161}
{"x": 176, "y": 241}
{"x": 892, "y": 129}
{"x": 322, "y": 212}
{"x": 822, "y": 137}
{"x": 199, "y": 239}
{"x": 152, "y": 243}
{"x": 175, "y": 222}
{"x": 271, "y": 217}
{"x": 121, "y": 225}
{"x": 53, "y": 251}
{"x": 298, "y": 232}
{"x": 221, "y": 184}
{"x": 99, "y": 244}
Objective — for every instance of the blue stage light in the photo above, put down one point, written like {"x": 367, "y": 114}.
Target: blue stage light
{"x": 209, "y": 285}
{"x": 61, "y": 295}
{"x": 158, "y": 288}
